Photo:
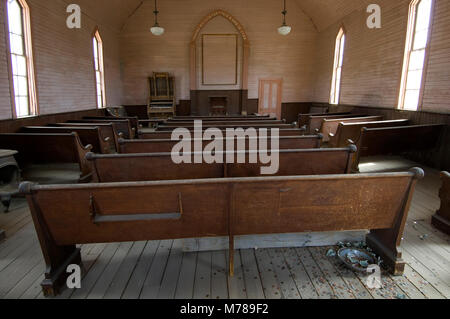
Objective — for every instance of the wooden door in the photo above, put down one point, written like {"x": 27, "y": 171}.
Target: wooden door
{"x": 270, "y": 97}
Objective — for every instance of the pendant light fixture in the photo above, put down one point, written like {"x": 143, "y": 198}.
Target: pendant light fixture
{"x": 284, "y": 29}
{"x": 156, "y": 29}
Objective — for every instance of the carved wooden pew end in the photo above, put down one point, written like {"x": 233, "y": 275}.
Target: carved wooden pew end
{"x": 441, "y": 220}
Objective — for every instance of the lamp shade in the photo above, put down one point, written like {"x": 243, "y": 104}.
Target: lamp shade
{"x": 284, "y": 30}
{"x": 157, "y": 30}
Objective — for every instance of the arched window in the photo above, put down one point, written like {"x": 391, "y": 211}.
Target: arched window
{"x": 23, "y": 87}
{"x": 99, "y": 69}
{"x": 337, "y": 68}
{"x": 416, "y": 52}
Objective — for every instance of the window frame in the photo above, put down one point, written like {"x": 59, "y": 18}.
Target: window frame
{"x": 33, "y": 105}
{"x": 335, "y": 90}
{"x": 100, "y": 52}
{"x": 409, "y": 49}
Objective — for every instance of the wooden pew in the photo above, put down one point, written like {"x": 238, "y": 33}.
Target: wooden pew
{"x": 234, "y": 117}
{"x": 88, "y": 135}
{"x": 352, "y": 131}
{"x": 441, "y": 220}
{"x": 134, "y": 121}
{"x": 227, "y": 123}
{"x": 315, "y": 121}
{"x": 168, "y": 135}
{"x": 244, "y": 126}
{"x": 397, "y": 140}
{"x": 303, "y": 119}
{"x": 161, "y": 210}
{"x": 36, "y": 149}
{"x": 123, "y": 126}
{"x": 109, "y": 132}
{"x": 160, "y": 166}
{"x": 224, "y": 119}
{"x": 329, "y": 126}
{"x": 166, "y": 145}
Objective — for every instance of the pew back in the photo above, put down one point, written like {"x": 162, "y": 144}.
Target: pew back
{"x": 352, "y": 131}
{"x": 88, "y": 135}
{"x": 167, "y": 145}
{"x": 123, "y": 126}
{"x": 329, "y": 126}
{"x": 161, "y": 166}
{"x": 303, "y": 118}
{"x": 225, "y": 126}
{"x": 168, "y": 135}
{"x": 109, "y": 131}
{"x": 315, "y": 121}
{"x": 134, "y": 121}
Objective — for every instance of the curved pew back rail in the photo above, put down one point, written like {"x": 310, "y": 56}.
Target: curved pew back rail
{"x": 352, "y": 131}
{"x": 123, "y": 126}
{"x": 315, "y": 121}
{"x": 109, "y": 132}
{"x": 225, "y": 126}
{"x": 134, "y": 121}
{"x": 330, "y": 126}
{"x": 397, "y": 140}
{"x": 167, "y": 145}
{"x": 46, "y": 148}
{"x": 303, "y": 118}
{"x": 168, "y": 135}
{"x": 218, "y": 123}
{"x": 441, "y": 219}
{"x": 160, "y": 166}
{"x": 88, "y": 135}
{"x": 120, "y": 212}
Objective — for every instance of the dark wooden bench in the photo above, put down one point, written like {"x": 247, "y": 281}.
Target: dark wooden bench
{"x": 329, "y": 126}
{"x": 352, "y": 131}
{"x": 167, "y": 145}
{"x": 121, "y": 212}
{"x": 134, "y": 121}
{"x": 441, "y": 220}
{"x": 45, "y": 157}
{"x": 303, "y": 118}
{"x": 224, "y": 126}
{"x": 168, "y": 134}
{"x": 109, "y": 132}
{"x": 160, "y": 166}
{"x": 227, "y": 123}
{"x": 234, "y": 117}
{"x": 315, "y": 121}
{"x": 397, "y": 140}
{"x": 223, "y": 119}
{"x": 123, "y": 126}
{"x": 88, "y": 135}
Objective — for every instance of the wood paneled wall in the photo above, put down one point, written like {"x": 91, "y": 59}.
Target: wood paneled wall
{"x": 373, "y": 58}
{"x": 65, "y": 77}
{"x": 271, "y": 55}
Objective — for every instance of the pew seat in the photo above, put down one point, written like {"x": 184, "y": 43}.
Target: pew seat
{"x": 161, "y": 210}
{"x": 397, "y": 140}
{"x": 50, "y": 158}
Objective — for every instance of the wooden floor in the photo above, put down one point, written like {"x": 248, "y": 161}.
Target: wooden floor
{"x": 160, "y": 269}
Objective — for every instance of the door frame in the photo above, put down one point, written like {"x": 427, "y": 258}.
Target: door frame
{"x": 279, "y": 81}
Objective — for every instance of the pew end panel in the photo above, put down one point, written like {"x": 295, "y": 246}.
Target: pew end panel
{"x": 441, "y": 220}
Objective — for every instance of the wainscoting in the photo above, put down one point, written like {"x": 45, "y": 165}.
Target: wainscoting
{"x": 11, "y": 126}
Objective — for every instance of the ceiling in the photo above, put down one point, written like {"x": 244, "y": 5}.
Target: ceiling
{"x": 323, "y": 13}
